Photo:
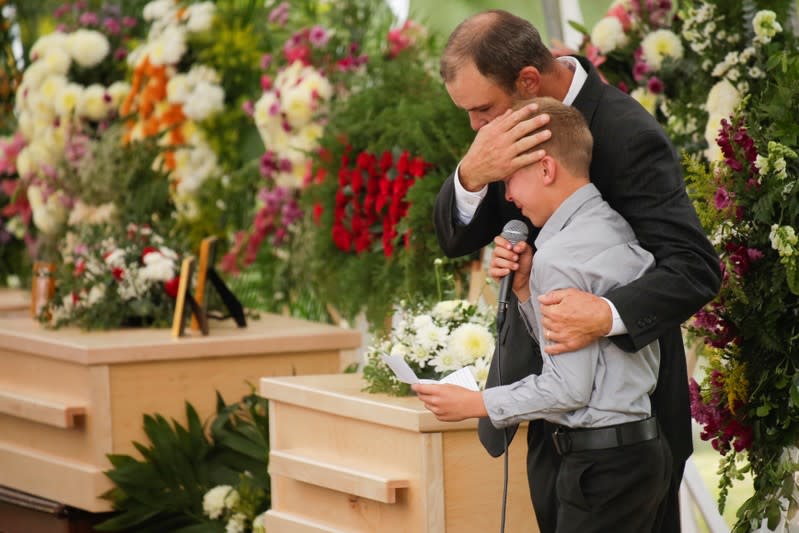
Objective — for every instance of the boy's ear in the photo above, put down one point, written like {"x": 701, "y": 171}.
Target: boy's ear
{"x": 549, "y": 169}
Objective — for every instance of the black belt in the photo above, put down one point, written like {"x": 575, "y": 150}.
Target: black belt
{"x": 574, "y": 440}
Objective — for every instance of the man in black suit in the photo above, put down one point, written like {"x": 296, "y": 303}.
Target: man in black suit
{"x": 491, "y": 61}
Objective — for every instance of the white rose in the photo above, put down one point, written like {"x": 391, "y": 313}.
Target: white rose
{"x": 608, "y": 34}
{"x": 88, "y": 47}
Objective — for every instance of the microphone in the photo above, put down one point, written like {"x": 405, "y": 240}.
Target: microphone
{"x": 514, "y": 231}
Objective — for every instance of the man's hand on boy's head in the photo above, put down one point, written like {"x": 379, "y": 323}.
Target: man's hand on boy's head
{"x": 503, "y": 146}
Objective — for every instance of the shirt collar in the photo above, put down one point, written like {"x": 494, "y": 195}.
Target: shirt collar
{"x": 564, "y": 213}
{"x": 578, "y": 80}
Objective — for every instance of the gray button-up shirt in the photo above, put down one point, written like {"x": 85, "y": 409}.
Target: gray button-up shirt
{"x": 586, "y": 245}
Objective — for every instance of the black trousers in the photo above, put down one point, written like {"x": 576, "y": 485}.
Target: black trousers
{"x": 618, "y": 483}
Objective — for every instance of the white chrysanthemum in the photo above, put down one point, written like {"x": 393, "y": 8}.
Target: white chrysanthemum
{"x": 446, "y": 361}
{"x": 168, "y": 48}
{"x": 67, "y": 99}
{"x": 722, "y": 99}
{"x": 446, "y": 310}
{"x": 608, "y": 34}
{"x": 399, "y": 350}
{"x": 199, "y": 73}
{"x": 178, "y": 89}
{"x": 236, "y": 524}
{"x": 118, "y": 91}
{"x": 48, "y": 215}
{"x": 470, "y": 342}
{"x": 712, "y": 127}
{"x": 316, "y": 84}
{"x": 200, "y": 16}
{"x": 116, "y": 258}
{"x": 206, "y": 99}
{"x": 480, "y": 370}
{"x": 96, "y": 294}
{"x": 429, "y": 337}
{"x": 266, "y": 110}
{"x": 297, "y": 104}
{"x": 660, "y": 44}
{"x": 88, "y": 47}
{"x": 158, "y": 9}
{"x": 50, "y": 88}
{"x": 55, "y": 61}
{"x": 46, "y": 43}
{"x": 218, "y": 499}
{"x": 766, "y": 26}
{"x": 422, "y": 321}
{"x": 158, "y": 267}
{"x": 94, "y": 103}
{"x": 646, "y": 98}
{"x": 306, "y": 138}
{"x": 194, "y": 164}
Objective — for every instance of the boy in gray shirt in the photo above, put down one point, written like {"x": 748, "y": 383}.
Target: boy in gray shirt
{"x": 615, "y": 467}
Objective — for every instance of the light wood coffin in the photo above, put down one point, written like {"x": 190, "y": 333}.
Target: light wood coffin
{"x": 14, "y": 303}
{"x": 68, "y": 397}
{"x": 345, "y": 460}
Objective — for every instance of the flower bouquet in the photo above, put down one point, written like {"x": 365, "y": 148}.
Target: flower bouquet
{"x": 435, "y": 341}
{"x": 116, "y": 281}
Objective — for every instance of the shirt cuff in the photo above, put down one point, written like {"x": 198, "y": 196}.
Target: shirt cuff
{"x": 466, "y": 202}
{"x": 618, "y": 327}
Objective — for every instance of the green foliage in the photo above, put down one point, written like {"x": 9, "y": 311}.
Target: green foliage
{"x": 397, "y": 105}
{"x": 163, "y": 491}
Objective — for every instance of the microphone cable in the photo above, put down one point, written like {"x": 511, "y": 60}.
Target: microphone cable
{"x": 504, "y": 435}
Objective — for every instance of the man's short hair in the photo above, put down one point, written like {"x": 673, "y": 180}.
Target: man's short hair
{"x": 500, "y": 44}
{"x": 571, "y": 142}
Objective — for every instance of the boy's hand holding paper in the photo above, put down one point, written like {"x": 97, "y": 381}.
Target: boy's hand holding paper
{"x": 405, "y": 374}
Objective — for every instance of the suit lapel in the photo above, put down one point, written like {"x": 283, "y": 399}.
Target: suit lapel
{"x": 588, "y": 98}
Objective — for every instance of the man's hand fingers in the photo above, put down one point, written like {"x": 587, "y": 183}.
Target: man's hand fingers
{"x": 552, "y": 297}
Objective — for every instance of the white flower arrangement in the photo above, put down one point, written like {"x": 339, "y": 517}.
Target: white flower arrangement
{"x": 434, "y": 341}
{"x": 285, "y": 116}
{"x": 608, "y": 34}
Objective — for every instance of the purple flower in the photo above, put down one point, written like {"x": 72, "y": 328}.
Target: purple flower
{"x": 655, "y": 85}
{"x": 280, "y": 14}
{"x": 88, "y": 19}
{"x": 318, "y": 36}
{"x": 129, "y": 22}
{"x": 248, "y": 107}
{"x": 266, "y": 60}
{"x": 722, "y": 198}
{"x": 112, "y": 26}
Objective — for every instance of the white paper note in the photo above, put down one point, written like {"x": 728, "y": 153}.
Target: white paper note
{"x": 405, "y": 374}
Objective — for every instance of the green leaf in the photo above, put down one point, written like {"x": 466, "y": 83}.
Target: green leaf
{"x": 763, "y": 410}
{"x": 773, "y": 514}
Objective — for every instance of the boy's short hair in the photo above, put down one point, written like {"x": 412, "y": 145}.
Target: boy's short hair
{"x": 571, "y": 142}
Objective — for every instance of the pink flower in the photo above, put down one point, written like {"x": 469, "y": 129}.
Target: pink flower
{"x": 620, "y": 13}
{"x": 89, "y": 19}
{"x": 318, "y": 36}
{"x": 722, "y": 199}
{"x": 655, "y": 85}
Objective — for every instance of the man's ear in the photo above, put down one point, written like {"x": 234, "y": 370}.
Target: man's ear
{"x": 528, "y": 82}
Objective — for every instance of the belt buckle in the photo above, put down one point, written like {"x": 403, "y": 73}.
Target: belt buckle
{"x": 562, "y": 441}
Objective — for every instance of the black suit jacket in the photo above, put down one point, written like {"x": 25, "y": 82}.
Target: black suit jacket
{"x": 638, "y": 172}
